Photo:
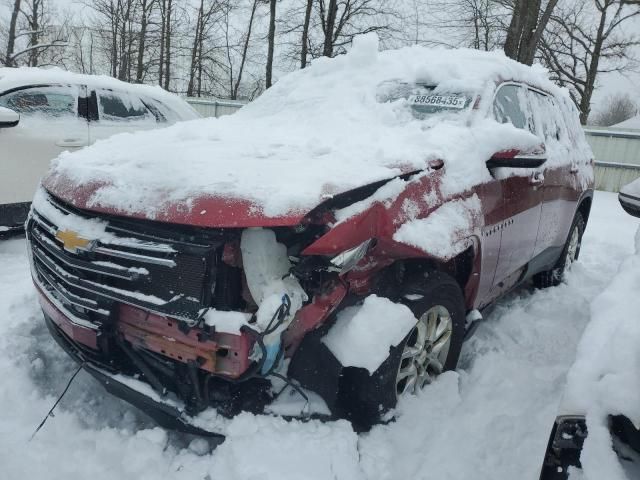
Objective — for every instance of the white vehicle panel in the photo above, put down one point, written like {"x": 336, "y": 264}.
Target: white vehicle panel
{"x": 49, "y": 124}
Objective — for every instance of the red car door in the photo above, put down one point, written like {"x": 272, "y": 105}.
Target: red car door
{"x": 561, "y": 189}
{"x": 523, "y": 194}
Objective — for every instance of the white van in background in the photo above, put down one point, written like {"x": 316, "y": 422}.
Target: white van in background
{"x": 46, "y": 111}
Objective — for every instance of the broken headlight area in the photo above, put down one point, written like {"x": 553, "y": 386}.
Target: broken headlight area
{"x": 207, "y": 316}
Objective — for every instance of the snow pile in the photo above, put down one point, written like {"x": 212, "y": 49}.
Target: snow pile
{"x": 226, "y": 322}
{"x": 318, "y": 132}
{"x": 363, "y": 335}
{"x": 295, "y": 450}
{"x": 631, "y": 123}
{"x": 605, "y": 379}
{"x": 445, "y": 231}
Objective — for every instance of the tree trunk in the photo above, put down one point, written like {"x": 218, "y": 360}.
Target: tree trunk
{"x": 271, "y": 38}
{"x": 531, "y": 48}
{"x": 142, "y": 37}
{"x": 125, "y": 51}
{"x": 34, "y": 25}
{"x": 526, "y": 29}
{"x": 234, "y": 93}
{"x": 194, "y": 51}
{"x": 305, "y": 35}
{"x": 329, "y": 25}
{"x": 532, "y": 11}
{"x": 114, "y": 40}
{"x": 514, "y": 32}
{"x": 12, "y": 33}
{"x": 163, "y": 10}
{"x": 592, "y": 73}
{"x": 167, "y": 48}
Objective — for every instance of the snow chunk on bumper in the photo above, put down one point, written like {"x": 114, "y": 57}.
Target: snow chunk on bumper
{"x": 363, "y": 335}
{"x": 227, "y": 322}
{"x": 445, "y": 232}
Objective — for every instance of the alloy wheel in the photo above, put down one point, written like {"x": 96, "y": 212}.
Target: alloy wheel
{"x": 425, "y": 352}
{"x": 573, "y": 247}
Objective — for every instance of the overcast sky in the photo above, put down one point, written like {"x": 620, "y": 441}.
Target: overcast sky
{"x": 608, "y": 84}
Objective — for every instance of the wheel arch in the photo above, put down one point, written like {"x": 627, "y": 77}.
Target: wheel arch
{"x": 464, "y": 268}
{"x": 584, "y": 206}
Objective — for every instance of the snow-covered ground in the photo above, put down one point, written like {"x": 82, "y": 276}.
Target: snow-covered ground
{"x": 489, "y": 420}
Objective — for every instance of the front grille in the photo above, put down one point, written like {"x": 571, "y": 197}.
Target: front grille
{"x": 165, "y": 269}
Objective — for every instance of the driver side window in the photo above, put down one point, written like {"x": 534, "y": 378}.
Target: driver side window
{"x": 509, "y": 106}
{"x": 118, "y": 106}
{"x": 54, "y": 101}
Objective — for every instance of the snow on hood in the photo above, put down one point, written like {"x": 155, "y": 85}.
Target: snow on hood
{"x": 318, "y": 132}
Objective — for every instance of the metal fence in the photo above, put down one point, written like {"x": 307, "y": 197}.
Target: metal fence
{"x": 214, "y": 107}
{"x": 617, "y": 155}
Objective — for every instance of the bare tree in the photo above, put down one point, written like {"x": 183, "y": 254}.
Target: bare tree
{"x": 528, "y": 22}
{"x": 271, "y": 39}
{"x": 476, "y": 24}
{"x": 146, "y": 7}
{"x": 245, "y": 48}
{"x": 341, "y": 20}
{"x": 32, "y": 36}
{"x": 304, "y": 41}
{"x": 12, "y": 33}
{"x": 617, "y": 108}
{"x": 585, "y": 39}
{"x": 166, "y": 19}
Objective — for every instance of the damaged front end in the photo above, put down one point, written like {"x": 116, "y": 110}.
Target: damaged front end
{"x": 180, "y": 319}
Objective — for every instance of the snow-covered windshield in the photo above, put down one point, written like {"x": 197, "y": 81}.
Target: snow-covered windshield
{"x": 423, "y": 100}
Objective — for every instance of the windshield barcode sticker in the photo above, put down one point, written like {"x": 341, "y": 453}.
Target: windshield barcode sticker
{"x": 444, "y": 101}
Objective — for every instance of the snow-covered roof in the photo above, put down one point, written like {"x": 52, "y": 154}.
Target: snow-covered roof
{"x": 317, "y": 132}
{"x": 11, "y": 78}
{"x": 631, "y": 123}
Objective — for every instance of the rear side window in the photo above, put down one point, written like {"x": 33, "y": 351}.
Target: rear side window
{"x": 122, "y": 107}
{"x": 510, "y": 106}
{"x": 51, "y": 101}
{"x": 158, "y": 110}
{"x": 572, "y": 121}
{"x": 550, "y": 124}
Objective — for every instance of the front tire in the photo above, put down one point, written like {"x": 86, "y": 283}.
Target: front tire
{"x": 430, "y": 348}
{"x": 570, "y": 253}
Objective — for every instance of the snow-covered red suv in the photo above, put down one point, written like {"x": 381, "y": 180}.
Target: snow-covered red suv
{"x": 322, "y": 252}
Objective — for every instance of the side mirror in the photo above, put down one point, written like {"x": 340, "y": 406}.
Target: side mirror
{"x": 518, "y": 159}
{"x": 629, "y": 198}
{"x": 8, "y": 118}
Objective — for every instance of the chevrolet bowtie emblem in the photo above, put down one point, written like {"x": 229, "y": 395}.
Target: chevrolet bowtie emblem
{"x": 71, "y": 240}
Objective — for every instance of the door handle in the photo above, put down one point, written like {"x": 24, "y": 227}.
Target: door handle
{"x": 536, "y": 179}
{"x": 71, "y": 142}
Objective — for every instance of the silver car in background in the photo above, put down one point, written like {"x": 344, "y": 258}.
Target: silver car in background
{"x": 46, "y": 111}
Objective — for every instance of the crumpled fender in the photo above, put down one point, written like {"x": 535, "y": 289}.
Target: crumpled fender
{"x": 382, "y": 219}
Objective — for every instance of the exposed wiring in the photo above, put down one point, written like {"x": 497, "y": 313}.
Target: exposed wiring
{"x": 280, "y": 314}
{"x": 307, "y": 405}
{"x": 50, "y": 413}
